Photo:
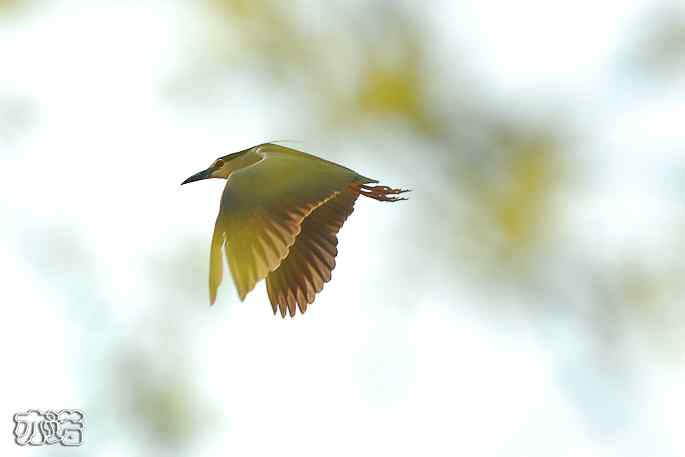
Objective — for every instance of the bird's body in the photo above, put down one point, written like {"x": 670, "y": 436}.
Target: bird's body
{"x": 280, "y": 214}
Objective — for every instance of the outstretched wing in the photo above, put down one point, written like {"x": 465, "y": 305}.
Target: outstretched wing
{"x": 262, "y": 209}
{"x": 310, "y": 261}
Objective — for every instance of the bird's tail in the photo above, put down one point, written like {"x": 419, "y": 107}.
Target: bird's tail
{"x": 381, "y": 193}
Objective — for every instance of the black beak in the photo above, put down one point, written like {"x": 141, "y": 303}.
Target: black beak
{"x": 205, "y": 174}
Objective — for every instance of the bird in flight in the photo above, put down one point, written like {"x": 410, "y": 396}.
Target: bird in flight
{"x": 280, "y": 214}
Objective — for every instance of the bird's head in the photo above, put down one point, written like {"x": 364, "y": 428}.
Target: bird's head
{"x": 221, "y": 167}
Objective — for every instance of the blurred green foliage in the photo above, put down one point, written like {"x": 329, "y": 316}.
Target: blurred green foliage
{"x": 503, "y": 173}
{"x": 660, "y": 49}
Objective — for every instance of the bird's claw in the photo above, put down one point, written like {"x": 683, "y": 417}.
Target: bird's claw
{"x": 383, "y": 193}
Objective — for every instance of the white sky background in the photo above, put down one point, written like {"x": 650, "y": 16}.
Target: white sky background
{"x": 105, "y": 159}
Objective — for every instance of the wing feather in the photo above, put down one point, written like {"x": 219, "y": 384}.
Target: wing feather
{"x": 216, "y": 263}
{"x": 311, "y": 259}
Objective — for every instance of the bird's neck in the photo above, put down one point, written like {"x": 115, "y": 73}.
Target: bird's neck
{"x": 243, "y": 161}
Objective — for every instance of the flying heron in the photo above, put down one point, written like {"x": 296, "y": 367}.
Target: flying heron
{"x": 280, "y": 214}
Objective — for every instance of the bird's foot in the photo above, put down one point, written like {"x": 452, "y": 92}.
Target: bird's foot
{"x": 382, "y": 193}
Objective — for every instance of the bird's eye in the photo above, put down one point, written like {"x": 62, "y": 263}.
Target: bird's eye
{"x": 219, "y": 163}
